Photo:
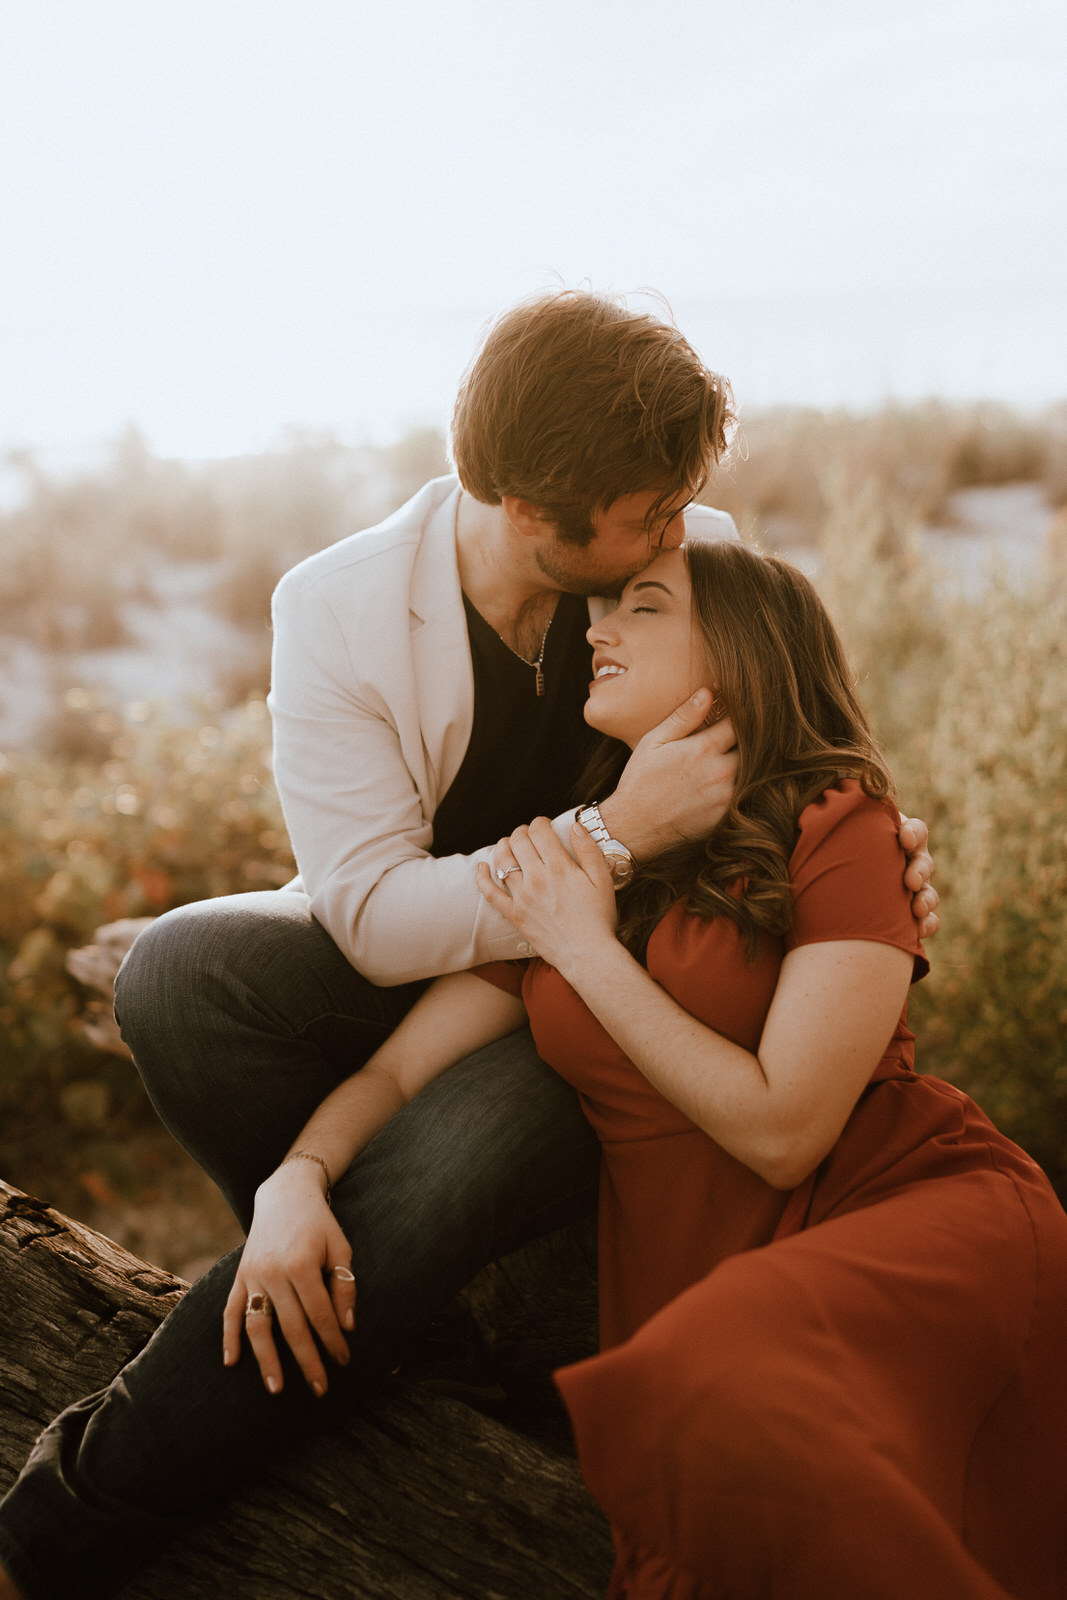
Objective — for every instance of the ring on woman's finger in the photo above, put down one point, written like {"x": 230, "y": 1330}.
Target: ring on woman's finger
{"x": 259, "y": 1305}
{"x": 343, "y": 1273}
{"x": 502, "y": 872}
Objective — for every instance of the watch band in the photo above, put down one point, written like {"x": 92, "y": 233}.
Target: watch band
{"x": 620, "y": 861}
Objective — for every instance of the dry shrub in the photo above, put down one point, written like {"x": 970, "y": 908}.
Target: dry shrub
{"x": 158, "y": 817}
{"x": 968, "y": 695}
{"x": 787, "y": 465}
{"x": 995, "y": 1017}
{"x": 969, "y": 698}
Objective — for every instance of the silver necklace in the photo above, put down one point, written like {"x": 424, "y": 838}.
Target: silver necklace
{"x": 538, "y": 665}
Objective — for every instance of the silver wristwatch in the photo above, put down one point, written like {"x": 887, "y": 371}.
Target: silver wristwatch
{"x": 620, "y": 861}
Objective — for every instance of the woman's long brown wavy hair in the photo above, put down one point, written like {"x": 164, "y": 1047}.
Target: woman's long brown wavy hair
{"x": 782, "y": 677}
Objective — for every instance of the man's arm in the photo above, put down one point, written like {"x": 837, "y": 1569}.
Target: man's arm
{"x": 355, "y": 816}
{"x": 360, "y": 830}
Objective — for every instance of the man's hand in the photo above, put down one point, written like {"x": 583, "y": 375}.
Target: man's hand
{"x": 677, "y": 784}
{"x": 914, "y": 837}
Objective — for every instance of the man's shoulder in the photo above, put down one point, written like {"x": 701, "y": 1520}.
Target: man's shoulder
{"x": 394, "y": 542}
{"x": 705, "y": 522}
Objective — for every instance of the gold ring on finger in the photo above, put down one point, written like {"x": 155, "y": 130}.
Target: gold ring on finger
{"x": 259, "y": 1305}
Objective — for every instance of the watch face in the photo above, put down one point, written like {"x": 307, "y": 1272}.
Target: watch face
{"x": 620, "y": 865}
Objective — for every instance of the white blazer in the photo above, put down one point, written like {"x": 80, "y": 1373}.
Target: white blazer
{"x": 372, "y": 701}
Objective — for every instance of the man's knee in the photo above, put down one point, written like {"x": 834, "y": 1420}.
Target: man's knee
{"x": 185, "y": 961}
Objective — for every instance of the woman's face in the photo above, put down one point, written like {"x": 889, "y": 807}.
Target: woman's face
{"x": 648, "y": 654}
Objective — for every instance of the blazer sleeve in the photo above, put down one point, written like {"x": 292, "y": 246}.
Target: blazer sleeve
{"x": 355, "y": 817}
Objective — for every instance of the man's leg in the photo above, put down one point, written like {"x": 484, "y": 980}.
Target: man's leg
{"x": 488, "y": 1156}
{"x": 243, "y": 1015}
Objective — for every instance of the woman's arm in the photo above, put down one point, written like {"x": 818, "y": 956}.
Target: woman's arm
{"x": 779, "y": 1110}
{"x": 295, "y": 1237}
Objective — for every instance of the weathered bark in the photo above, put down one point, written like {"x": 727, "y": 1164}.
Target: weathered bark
{"x": 418, "y": 1498}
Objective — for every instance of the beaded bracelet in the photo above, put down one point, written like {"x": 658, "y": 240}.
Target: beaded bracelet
{"x": 306, "y": 1155}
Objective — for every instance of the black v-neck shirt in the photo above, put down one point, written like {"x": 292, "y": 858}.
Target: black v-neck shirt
{"x": 526, "y": 751}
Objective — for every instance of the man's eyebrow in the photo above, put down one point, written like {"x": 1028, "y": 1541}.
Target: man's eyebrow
{"x": 650, "y": 583}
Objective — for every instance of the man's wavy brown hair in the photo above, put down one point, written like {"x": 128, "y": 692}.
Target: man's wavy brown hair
{"x": 782, "y": 678}
{"x": 573, "y": 400}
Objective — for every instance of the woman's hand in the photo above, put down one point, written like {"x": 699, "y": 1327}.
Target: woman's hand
{"x": 558, "y": 903}
{"x": 294, "y": 1240}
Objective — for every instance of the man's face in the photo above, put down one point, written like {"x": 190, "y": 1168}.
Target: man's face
{"x": 622, "y": 545}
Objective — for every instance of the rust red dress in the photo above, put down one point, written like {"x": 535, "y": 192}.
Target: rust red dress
{"x": 856, "y": 1391}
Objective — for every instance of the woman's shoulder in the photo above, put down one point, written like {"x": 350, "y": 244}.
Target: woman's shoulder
{"x": 847, "y": 873}
{"x": 845, "y": 818}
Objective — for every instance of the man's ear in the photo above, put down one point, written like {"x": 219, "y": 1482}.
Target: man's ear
{"x": 524, "y": 516}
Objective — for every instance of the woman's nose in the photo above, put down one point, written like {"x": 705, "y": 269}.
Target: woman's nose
{"x": 604, "y": 631}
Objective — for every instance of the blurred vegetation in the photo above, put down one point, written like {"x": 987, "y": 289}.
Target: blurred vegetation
{"x": 791, "y": 468}
{"x": 136, "y": 817}
{"x": 125, "y": 811}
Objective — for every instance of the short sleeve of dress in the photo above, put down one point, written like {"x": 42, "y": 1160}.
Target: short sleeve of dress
{"x": 506, "y": 975}
{"x": 847, "y": 871}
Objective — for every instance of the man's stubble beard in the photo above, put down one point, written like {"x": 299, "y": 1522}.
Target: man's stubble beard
{"x": 556, "y": 570}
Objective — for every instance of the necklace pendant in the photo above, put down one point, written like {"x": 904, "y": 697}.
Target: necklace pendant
{"x": 540, "y": 681}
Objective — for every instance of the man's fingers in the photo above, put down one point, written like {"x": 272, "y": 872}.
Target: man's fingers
{"x": 684, "y": 719}
{"x": 686, "y": 723}
{"x": 918, "y": 872}
{"x": 914, "y": 834}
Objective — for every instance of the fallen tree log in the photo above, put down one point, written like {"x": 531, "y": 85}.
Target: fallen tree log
{"x": 417, "y": 1498}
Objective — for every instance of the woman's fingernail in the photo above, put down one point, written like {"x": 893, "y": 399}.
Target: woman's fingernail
{"x": 273, "y": 1385}
{"x": 318, "y": 1389}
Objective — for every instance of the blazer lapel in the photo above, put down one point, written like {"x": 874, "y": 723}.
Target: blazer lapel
{"x": 440, "y": 649}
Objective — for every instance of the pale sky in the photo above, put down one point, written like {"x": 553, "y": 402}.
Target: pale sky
{"x": 221, "y": 219}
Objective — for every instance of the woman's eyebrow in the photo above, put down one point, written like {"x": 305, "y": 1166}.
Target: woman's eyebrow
{"x": 650, "y": 583}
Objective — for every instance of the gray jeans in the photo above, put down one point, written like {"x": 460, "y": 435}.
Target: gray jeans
{"x": 242, "y": 1015}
